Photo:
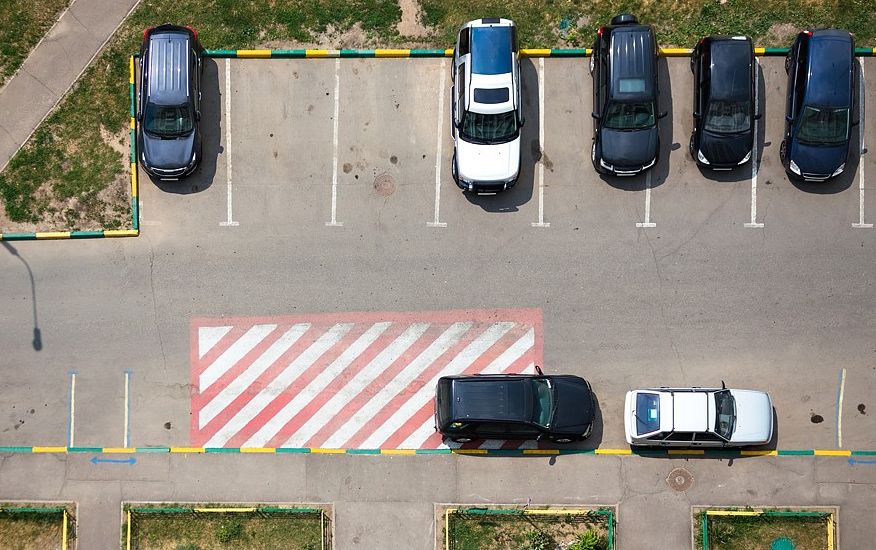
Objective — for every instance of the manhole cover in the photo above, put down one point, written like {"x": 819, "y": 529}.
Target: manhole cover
{"x": 383, "y": 185}
{"x": 680, "y": 479}
{"x": 783, "y": 543}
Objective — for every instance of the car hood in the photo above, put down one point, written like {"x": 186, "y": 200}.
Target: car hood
{"x": 629, "y": 148}
{"x": 819, "y": 160}
{"x": 725, "y": 149}
{"x": 477, "y": 162}
{"x": 754, "y": 417}
{"x": 168, "y": 154}
{"x": 574, "y": 405}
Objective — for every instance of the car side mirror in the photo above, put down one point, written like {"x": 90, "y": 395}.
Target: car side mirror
{"x": 697, "y": 115}
{"x": 663, "y": 114}
{"x": 855, "y": 122}
{"x": 789, "y": 118}
{"x": 758, "y": 116}
{"x": 197, "y": 115}
{"x": 538, "y": 370}
{"x": 595, "y": 115}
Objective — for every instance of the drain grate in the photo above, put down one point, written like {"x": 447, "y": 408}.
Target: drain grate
{"x": 384, "y": 186}
{"x": 680, "y": 479}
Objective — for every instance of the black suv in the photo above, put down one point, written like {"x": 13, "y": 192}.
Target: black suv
{"x": 624, "y": 70}
{"x": 821, "y": 97}
{"x": 516, "y": 406}
{"x": 723, "y": 130}
{"x": 169, "y": 111}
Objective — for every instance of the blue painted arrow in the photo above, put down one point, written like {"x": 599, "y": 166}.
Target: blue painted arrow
{"x": 854, "y": 461}
{"x": 130, "y": 460}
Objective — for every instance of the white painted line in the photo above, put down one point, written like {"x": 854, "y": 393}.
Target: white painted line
{"x": 126, "y": 440}
{"x": 71, "y": 428}
{"x": 229, "y": 221}
{"x": 140, "y": 213}
{"x": 753, "y": 223}
{"x": 647, "y": 222}
{"x": 839, "y": 411}
{"x": 438, "y": 159}
{"x": 860, "y": 224}
{"x": 541, "y": 222}
{"x": 232, "y": 355}
{"x": 335, "y": 222}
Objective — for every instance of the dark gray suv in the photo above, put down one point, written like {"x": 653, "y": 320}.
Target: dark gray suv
{"x": 169, "y": 110}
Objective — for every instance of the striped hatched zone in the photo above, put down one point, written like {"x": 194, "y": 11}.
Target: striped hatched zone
{"x": 346, "y": 381}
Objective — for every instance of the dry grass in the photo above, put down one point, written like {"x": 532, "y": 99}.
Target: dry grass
{"x": 22, "y": 24}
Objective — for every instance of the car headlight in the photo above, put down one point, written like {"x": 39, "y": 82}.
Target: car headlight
{"x": 702, "y": 158}
{"x": 746, "y": 159}
{"x": 605, "y": 165}
{"x": 794, "y": 168}
{"x": 194, "y": 159}
{"x": 839, "y": 170}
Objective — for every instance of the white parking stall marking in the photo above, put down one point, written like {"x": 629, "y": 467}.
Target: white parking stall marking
{"x": 541, "y": 222}
{"x": 839, "y": 409}
{"x": 753, "y": 223}
{"x": 335, "y": 222}
{"x": 438, "y": 160}
{"x": 71, "y": 426}
{"x": 140, "y": 215}
{"x": 126, "y": 439}
{"x": 861, "y": 100}
{"x": 233, "y": 354}
{"x": 647, "y": 222}
{"x": 229, "y": 221}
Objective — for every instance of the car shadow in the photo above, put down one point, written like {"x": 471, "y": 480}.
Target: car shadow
{"x": 530, "y": 150}
{"x": 660, "y": 171}
{"x": 847, "y": 178}
{"x": 211, "y": 132}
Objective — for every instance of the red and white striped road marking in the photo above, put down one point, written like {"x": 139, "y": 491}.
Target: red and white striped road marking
{"x": 356, "y": 380}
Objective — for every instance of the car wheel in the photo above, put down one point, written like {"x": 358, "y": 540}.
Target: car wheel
{"x": 783, "y": 150}
{"x": 462, "y": 439}
{"x": 593, "y": 156}
{"x": 690, "y": 147}
{"x": 788, "y": 63}
{"x": 563, "y": 440}
{"x": 453, "y": 167}
{"x": 592, "y": 61}
{"x": 693, "y": 61}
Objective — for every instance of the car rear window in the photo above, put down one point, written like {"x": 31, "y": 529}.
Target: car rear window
{"x": 647, "y": 413}
{"x": 491, "y": 50}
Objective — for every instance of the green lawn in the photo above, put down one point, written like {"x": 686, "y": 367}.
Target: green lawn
{"x": 73, "y": 173}
{"x": 22, "y": 24}
{"x": 745, "y": 532}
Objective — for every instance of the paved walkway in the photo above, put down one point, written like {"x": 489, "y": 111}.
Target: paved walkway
{"x": 53, "y": 67}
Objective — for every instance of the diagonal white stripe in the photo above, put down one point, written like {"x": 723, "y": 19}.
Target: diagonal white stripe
{"x": 207, "y": 338}
{"x": 355, "y": 385}
{"x": 447, "y": 340}
{"x": 279, "y": 384}
{"x": 233, "y": 354}
{"x": 240, "y": 384}
{"x": 500, "y": 363}
{"x": 318, "y": 384}
{"x": 458, "y": 364}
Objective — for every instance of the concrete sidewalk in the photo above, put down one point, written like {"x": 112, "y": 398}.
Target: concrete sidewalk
{"x": 53, "y": 67}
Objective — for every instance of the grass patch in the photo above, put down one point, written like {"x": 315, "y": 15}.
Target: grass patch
{"x": 214, "y": 531}
{"x": 36, "y": 527}
{"x": 745, "y": 532}
{"x": 22, "y": 25}
{"x": 516, "y": 531}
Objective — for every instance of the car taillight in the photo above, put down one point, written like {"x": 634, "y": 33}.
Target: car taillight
{"x": 146, "y": 32}
{"x": 599, "y": 32}
{"x": 701, "y": 41}
{"x": 807, "y": 33}
{"x": 194, "y": 31}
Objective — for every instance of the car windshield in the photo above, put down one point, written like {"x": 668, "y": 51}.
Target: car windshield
{"x": 825, "y": 126}
{"x": 168, "y": 120}
{"x": 630, "y": 116}
{"x": 725, "y": 406}
{"x": 544, "y": 401}
{"x": 647, "y": 413}
{"x": 725, "y": 117}
{"x": 489, "y": 129}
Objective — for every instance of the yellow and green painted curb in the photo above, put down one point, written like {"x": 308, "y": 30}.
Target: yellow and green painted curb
{"x": 831, "y": 525}
{"x": 707, "y": 453}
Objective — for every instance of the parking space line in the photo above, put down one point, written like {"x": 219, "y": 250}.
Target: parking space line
{"x": 229, "y": 222}
{"x": 140, "y": 211}
{"x": 127, "y": 430}
{"x": 541, "y": 222}
{"x": 438, "y": 159}
{"x": 335, "y": 222}
{"x": 839, "y": 408}
{"x": 860, "y": 224}
{"x": 647, "y": 222}
{"x": 72, "y": 414}
{"x": 753, "y": 223}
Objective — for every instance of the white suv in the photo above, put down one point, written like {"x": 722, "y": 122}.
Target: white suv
{"x": 698, "y": 417}
{"x": 485, "y": 104}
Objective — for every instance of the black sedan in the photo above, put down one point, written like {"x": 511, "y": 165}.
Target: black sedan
{"x": 723, "y": 130}
{"x": 516, "y": 406}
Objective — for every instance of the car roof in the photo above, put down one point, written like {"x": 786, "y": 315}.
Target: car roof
{"x": 632, "y": 57}
{"x": 492, "y": 49}
{"x": 831, "y": 60}
{"x": 690, "y": 411}
{"x": 491, "y": 398}
{"x": 730, "y": 69}
{"x": 169, "y": 65}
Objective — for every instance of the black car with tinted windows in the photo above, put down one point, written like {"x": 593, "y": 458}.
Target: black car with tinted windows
{"x": 169, "y": 109}
{"x": 559, "y": 408}
{"x": 624, "y": 70}
{"x": 724, "y": 103}
{"x": 820, "y": 103}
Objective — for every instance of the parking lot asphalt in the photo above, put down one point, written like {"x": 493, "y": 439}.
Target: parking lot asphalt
{"x": 664, "y": 279}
